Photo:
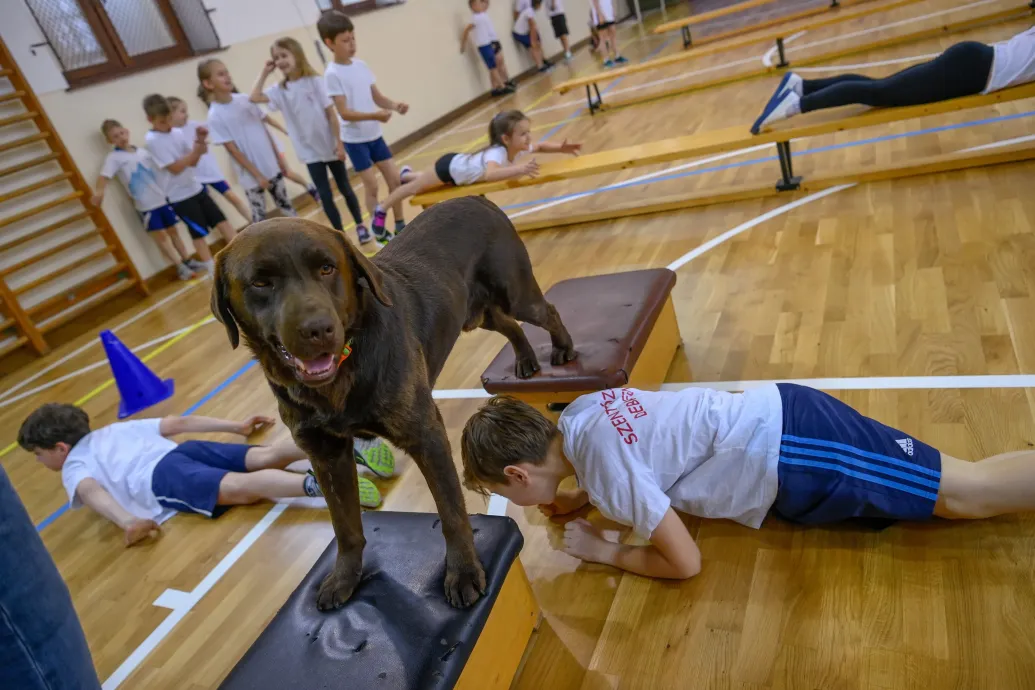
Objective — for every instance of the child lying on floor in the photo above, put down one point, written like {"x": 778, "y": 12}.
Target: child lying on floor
{"x": 135, "y": 476}
{"x": 639, "y": 456}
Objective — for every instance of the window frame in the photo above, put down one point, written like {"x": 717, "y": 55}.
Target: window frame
{"x": 119, "y": 62}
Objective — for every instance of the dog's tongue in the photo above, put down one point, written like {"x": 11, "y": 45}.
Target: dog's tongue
{"x": 318, "y": 365}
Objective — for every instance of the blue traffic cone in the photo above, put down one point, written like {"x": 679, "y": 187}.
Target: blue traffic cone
{"x": 138, "y": 386}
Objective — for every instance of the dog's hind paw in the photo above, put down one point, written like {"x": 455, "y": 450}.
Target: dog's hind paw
{"x": 563, "y": 355}
{"x": 526, "y": 368}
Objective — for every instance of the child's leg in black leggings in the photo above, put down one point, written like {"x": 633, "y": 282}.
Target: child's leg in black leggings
{"x": 962, "y": 70}
{"x": 318, "y": 174}
{"x": 341, "y": 178}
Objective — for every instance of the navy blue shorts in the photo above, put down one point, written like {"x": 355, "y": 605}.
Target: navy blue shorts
{"x": 367, "y": 153}
{"x": 159, "y": 218}
{"x": 523, "y": 39}
{"x": 222, "y": 187}
{"x": 489, "y": 53}
{"x": 836, "y": 464}
{"x": 187, "y": 478}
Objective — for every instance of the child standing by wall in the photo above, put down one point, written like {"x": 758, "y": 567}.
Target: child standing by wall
{"x": 177, "y": 155}
{"x": 362, "y": 108}
{"x": 560, "y": 24}
{"x": 312, "y": 125}
{"x": 142, "y": 179}
{"x": 207, "y": 170}
{"x": 239, "y": 125}
{"x": 602, "y": 16}
{"x": 488, "y": 47}
{"x": 510, "y": 135}
{"x": 526, "y": 32}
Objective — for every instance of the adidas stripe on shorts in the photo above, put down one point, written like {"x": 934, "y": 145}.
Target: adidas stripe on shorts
{"x": 836, "y": 464}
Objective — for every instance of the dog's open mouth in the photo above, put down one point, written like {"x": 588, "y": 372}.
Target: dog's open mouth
{"x": 315, "y": 370}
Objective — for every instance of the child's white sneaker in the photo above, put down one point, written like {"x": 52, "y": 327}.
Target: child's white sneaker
{"x": 184, "y": 272}
{"x": 567, "y": 56}
{"x": 791, "y": 82}
{"x": 781, "y": 106}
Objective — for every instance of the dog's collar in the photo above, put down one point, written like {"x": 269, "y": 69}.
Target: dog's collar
{"x": 345, "y": 352}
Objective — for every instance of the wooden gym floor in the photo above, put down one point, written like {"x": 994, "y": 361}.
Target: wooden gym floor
{"x": 931, "y": 278}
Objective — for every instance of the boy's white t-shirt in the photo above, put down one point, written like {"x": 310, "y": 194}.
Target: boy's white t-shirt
{"x": 207, "y": 170}
{"x": 1014, "y": 62}
{"x": 703, "y": 452}
{"x": 240, "y": 121}
{"x": 355, "y": 82}
{"x": 555, "y": 7}
{"x": 470, "y": 168}
{"x": 140, "y": 175}
{"x": 484, "y": 32}
{"x": 606, "y": 15}
{"x": 167, "y": 148}
{"x": 304, "y": 103}
{"x": 122, "y": 459}
{"x": 521, "y": 25}
{"x": 521, "y": 5}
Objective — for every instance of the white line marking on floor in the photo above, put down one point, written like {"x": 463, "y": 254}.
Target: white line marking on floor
{"x": 874, "y": 383}
{"x": 767, "y": 59}
{"x": 96, "y": 340}
{"x": 497, "y": 505}
{"x": 1000, "y": 144}
{"x": 166, "y": 626}
{"x": 779, "y": 211}
{"x": 172, "y": 599}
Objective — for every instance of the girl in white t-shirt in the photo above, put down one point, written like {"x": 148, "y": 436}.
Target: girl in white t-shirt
{"x": 207, "y": 170}
{"x": 510, "y": 135}
{"x": 964, "y": 69}
{"x": 312, "y": 125}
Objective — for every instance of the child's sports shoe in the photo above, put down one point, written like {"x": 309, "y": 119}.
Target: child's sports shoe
{"x": 400, "y": 225}
{"x": 545, "y": 68}
{"x": 376, "y": 456}
{"x": 620, "y": 60}
{"x": 369, "y": 496}
{"x": 512, "y": 84}
{"x": 378, "y": 223}
{"x": 781, "y": 106}
{"x": 184, "y": 272}
{"x": 609, "y": 63}
{"x": 311, "y": 486}
{"x": 314, "y": 193}
{"x": 567, "y": 56}
{"x": 496, "y": 93}
{"x": 363, "y": 234}
{"x": 195, "y": 265}
{"x": 405, "y": 172}
{"x": 791, "y": 82}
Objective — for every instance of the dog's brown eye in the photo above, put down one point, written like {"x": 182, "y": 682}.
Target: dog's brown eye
{"x": 326, "y": 269}
{"x": 260, "y": 283}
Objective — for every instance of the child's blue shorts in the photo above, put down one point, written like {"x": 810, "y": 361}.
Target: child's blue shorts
{"x": 489, "y": 53}
{"x": 221, "y": 186}
{"x": 836, "y": 464}
{"x": 187, "y": 478}
{"x": 159, "y": 218}
{"x": 523, "y": 39}
{"x": 365, "y": 154}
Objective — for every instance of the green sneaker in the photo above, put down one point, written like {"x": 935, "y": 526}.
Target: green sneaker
{"x": 369, "y": 496}
{"x": 376, "y": 456}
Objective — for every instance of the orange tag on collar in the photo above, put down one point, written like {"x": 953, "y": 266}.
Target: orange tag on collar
{"x": 345, "y": 352}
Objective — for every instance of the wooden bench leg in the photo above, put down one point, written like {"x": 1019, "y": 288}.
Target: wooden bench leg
{"x": 783, "y": 58}
{"x": 688, "y": 40}
{"x": 596, "y": 105}
{"x": 788, "y": 182}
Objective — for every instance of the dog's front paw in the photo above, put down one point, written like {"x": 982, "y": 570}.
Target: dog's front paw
{"x": 563, "y": 355}
{"x": 338, "y": 586}
{"x": 526, "y": 367}
{"x": 465, "y": 583}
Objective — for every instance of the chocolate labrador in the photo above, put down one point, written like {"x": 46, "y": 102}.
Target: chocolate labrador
{"x": 352, "y": 346}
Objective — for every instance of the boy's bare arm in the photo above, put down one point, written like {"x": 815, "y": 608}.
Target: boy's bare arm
{"x": 354, "y": 115}
{"x": 384, "y": 101}
{"x": 463, "y": 38}
{"x": 170, "y": 426}
{"x": 672, "y": 553}
{"x": 98, "y": 194}
{"x": 91, "y": 493}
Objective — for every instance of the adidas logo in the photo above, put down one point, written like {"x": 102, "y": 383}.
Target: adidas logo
{"x": 906, "y": 444}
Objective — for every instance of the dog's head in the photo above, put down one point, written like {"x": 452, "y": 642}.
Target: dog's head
{"x": 293, "y": 289}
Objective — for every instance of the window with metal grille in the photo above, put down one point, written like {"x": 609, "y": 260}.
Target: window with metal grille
{"x": 96, "y": 40}
{"x": 355, "y": 6}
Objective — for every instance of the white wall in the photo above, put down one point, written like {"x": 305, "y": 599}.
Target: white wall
{"x": 412, "y": 48}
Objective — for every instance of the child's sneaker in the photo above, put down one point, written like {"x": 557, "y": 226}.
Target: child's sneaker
{"x": 363, "y": 234}
{"x": 620, "y": 60}
{"x": 512, "y": 84}
{"x": 609, "y": 63}
{"x": 382, "y": 238}
{"x": 509, "y": 89}
{"x": 376, "y": 456}
{"x": 314, "y": 193}
{"x": 184, "y": 272}
{"x": 369, "y": 496}
{"x": 567, "y": 56}
{"x": 781, "y": 106}
{"x": 378, "y": 223}
{"x": 545, "y": 68}
{"x": 496, "y": 93}
{"x": 791, "y": 82}
{"x": 404, "y": 172}
{"x": 195, "y": 265}
{"x": 400, "y": 225}
{"x": 311, "y": 486}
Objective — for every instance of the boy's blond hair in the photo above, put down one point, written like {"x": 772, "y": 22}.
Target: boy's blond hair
{"x": 504, "y": 431}
{"x": 109, "y": 125}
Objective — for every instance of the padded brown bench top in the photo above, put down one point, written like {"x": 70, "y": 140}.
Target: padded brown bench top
{"x": 609, "y": 317}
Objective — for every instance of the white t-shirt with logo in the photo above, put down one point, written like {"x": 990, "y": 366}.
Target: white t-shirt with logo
{"x": 355, "y": 82}
{"x": 468, "y": 168}
{"x": 304, "y": 103}
{"x": 166, "y": 148}
{"x": 484, "y": 32}
{"x": 122, "y": 459}
{"x": 139, "y": 174}
{"x": 1014, "y": 62}
{"x": 240, "y": 122}
{"x": 703, "y": 452}
{"x": 207, "y": 170}
{"x": 521, "y": 25}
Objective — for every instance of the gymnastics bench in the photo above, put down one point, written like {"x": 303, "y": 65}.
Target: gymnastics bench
{"x": 398, "y": 632}
{"x": 685, "y": 23}
{"x": 625, "y": 332}
{"x": 591, "y": 82}
{"x": 739, "y": 137}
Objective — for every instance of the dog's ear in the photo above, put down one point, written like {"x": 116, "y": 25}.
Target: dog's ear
{"x": 221, "y": 301}
{"x": 365, "y": 269}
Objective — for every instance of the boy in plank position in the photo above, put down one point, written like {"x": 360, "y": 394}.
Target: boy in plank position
{"x": 639, "y": 456}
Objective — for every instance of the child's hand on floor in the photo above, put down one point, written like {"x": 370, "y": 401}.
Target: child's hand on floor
{"x": 255, "y": 423}
{"x": 383, "y": 115}
{"x": 139, "y": 530}
{"x": 583, "y": 540}
{"x": 565, "y": 502}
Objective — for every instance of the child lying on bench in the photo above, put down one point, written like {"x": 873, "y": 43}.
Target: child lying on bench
{"x": 965, "y": 69}
{"x": 639, "y": 456}
{"x": 135, "y": 476}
